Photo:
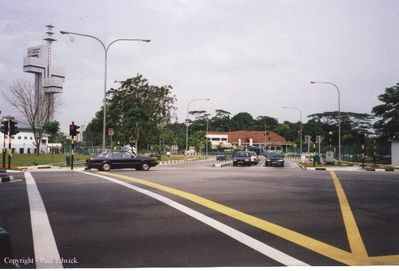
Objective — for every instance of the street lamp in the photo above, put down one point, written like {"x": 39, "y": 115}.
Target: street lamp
{"x": 300, "y": 117}
{"x": 105, "y": 69}
{"x": 188, "y": 106}
{"x": 339, "y": 115}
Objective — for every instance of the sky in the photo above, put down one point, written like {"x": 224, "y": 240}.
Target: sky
{"x": 245, "y": 56}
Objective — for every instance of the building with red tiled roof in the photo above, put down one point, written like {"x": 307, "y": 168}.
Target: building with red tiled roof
{"x": 272, "y": 140}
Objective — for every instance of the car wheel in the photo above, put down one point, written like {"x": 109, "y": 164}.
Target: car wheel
{"x": 145, "y": 166}
{"x": 106, "y": 167}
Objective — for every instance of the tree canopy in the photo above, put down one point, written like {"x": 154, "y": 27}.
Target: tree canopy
{"x": 137, "y": 110}
{"x": 388, "y": 112}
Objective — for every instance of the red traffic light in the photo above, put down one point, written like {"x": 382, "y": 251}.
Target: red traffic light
{"x": 73, "y": 129}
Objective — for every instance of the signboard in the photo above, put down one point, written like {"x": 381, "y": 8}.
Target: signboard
{"x": 34, "y": 51}
{"x": 308, "y": 139}
{"x": 110, "y": 131}
{"x": 330, "y": 157}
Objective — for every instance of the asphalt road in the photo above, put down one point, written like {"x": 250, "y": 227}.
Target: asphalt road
{"x": 194, "y": 215}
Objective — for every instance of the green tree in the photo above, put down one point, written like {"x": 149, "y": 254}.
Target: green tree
{"x": 52, "y": 128}
{"x": 262, "y": 121}
{"x": 288, "y": 130}
{"x": 221, "y": 122}
{"x": 388, "y": 112}
{"x": 198, "y": 140}
{"x": 93, "y": 132}
{"x": 175, "y": 134}
{"x": 137, "y": 111}
{"x": 353, "y": 128}
{"x": 200, "y": 120}
{"x": 242, "y": 121}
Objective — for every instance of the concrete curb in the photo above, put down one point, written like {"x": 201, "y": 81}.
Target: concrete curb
{"x": 300, "y": 166}
{"x": 184, "y": 161}
{"x": 176, "y": 161}
{"x": 224, "y": 164}
{"x": 351, "y": 169}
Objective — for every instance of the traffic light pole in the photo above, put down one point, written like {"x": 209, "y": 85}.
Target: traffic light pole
{"x": 5, "y": 130}
{"x": 73, "y": 131}
{"x": 9, "y": 144}
{"x": 4, "y": 152}
{"x": 72, "y": 151}
{"x": 9, "y": 129}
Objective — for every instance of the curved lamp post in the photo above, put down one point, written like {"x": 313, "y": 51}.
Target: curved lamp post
{"x": 106, "y": 48}
{"x": 339, "y": 115}
{"x": 188, "y": 106}
{"x": 300, "y": 117}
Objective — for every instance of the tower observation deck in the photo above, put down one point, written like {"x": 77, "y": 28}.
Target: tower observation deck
{"x": 48, "y": 79}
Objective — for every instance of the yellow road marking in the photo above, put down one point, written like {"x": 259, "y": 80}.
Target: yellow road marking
{"x": 352, "y": 231}
{"x": 358, "y": 256}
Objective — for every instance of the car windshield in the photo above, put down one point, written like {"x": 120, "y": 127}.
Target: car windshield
{"x": 117, "y": 154}
{"x": 103, "y": 154}
{"x": 276, "y": 156}
{"x": 241, "y": 154}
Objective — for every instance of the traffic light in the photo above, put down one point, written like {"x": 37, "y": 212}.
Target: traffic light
{"x": 13, "y": 128}
{"x": 73, "y": 129}
{"x": 4, "y": 127}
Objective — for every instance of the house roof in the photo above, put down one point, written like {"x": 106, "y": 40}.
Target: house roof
{"x": 258, "y": 137}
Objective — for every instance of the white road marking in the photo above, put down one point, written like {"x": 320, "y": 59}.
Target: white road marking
{"x": 243, "y": 238}
{"x": 44, "y": 245}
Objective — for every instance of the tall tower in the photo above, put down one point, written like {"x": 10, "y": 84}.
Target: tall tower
{"x": 48, "y": 79}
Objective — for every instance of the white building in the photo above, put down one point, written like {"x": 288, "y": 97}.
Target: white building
{"x": 395, "y": 151}
{"x": 23, "y": 142}
{"x": 218, "y": 140}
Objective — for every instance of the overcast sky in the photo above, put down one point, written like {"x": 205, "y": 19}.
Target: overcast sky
{"x": 246, "y": 56}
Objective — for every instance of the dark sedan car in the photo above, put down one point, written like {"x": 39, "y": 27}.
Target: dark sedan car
{"x": 275, "y": 159}
{"x": 111, "y": 159}
{"x": 242, "y": 158}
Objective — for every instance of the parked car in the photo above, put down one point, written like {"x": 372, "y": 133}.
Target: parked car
{"x": 242, "y": 158}
{"x": 254, "y": 157}
{"x": 274, "y": 159}
{"x": 113, "y": 159}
